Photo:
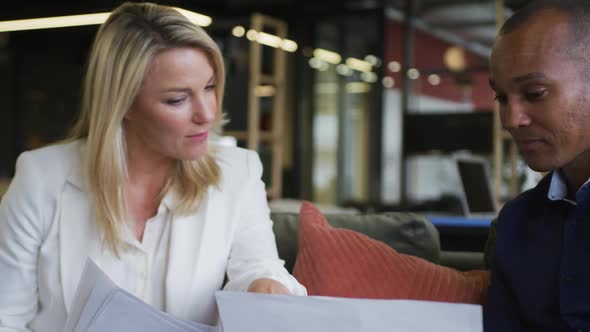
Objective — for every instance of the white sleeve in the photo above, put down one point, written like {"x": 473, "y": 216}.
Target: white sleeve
{"x": 254, "y": 251}
{"x": 20, "y": 238}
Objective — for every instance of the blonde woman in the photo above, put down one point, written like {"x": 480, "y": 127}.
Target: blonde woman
{"x": 138, "y": 188}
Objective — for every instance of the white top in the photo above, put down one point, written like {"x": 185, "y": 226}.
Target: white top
{"x": 141, "y": 269}
{"x": 46, "y": 234}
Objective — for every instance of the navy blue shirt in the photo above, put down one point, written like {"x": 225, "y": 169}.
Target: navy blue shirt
{"x": 541, "y": 275}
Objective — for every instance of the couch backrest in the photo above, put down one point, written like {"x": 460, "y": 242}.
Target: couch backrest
{"x": 407, "y": 233}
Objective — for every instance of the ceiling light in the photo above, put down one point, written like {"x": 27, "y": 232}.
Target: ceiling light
{"x": 413, "y": 74}
{"x": 344, "y": 70}
{"x": 84, "y": 19}
{"x": 455, "y": 58}
{"x": 388, "y": 82}
{"x": 251, "y": 35}
{"x": 359, "y": 65}
{"x": 289, "y": 45}
{"x": 323, "y": 66}
{"x": 268, "y": 39}
{"x": 315, "y": 63}
{"x": 328, "y": 56}
{"x": 373, "y": 60}
{"x": 53, "y": 22}
{"x": 357, "y": 87}
{"x": 238, "y": 31}
{"x": 271, "y": 40}
{"x": 394, "y": 66}
{"x": 434, "y": 79}
{"x": 369, "y": 77}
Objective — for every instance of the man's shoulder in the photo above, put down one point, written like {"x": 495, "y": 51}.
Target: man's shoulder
{"x": 533, "y": 197}
{"x": 527, "y": 206}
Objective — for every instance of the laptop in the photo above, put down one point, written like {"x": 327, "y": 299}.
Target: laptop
{"x": 477, "y": 198}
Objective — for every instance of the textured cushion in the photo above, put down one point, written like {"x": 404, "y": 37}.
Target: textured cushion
{"x": 407, "y": 233}
{"x": 345, "y": 263}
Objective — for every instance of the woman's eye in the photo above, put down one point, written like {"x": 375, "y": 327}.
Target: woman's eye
{"x": 175, "y": 101}
{"x": 210, "y": 87}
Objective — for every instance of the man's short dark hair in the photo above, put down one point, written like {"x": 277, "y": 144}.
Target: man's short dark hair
{"x": 578, "y": 12}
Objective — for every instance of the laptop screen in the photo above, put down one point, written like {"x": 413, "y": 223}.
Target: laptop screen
{"x": 473, "y": 174}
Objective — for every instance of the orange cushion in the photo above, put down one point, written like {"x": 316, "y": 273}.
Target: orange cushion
{"x": 344, "y": 263}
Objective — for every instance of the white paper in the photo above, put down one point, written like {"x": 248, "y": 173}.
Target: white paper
{"x": 270, "y": 313}
{"x": 100, "y": 305}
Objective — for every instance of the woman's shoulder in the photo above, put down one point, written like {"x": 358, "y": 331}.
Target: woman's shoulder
{"x": 52, "y": 159}
{"x": 56, "y": 150}
{"x": 41, "y": 173}
{"x": 233, "y": 156}
{"x": 237, "y": 161}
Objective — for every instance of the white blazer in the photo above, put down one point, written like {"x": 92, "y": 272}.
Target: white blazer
{"x": 46, "y": 234}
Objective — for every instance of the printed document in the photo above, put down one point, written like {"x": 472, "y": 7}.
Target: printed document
{"x": 241, "y": 312}
{"x": 100, "y": 305}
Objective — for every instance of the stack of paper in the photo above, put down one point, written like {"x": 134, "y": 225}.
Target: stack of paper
{"x": 100, "y": 305}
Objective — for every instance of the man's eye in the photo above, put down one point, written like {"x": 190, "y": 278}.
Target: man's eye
{"x": 501, "y": 99}
{"x": 534, "y": 95}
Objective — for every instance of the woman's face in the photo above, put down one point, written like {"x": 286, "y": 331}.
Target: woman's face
{"x": 176, "y": 107}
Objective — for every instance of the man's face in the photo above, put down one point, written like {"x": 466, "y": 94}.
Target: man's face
{"x": 542, "y": 94}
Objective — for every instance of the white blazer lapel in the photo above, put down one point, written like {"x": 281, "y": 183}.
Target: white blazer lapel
{"x": 211, "y": 266}
{"x": 78, "y": 236}
{"x": 185, "y": 239}
{"x": 199, "y": 247}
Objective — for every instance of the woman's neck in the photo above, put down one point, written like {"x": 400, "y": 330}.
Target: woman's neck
{"x": 145, "y": 183}
{"x": 147, "y": 171}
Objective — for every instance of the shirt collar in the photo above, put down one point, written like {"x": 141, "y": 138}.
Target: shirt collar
{"x": 558, "y": 187}
{"x": 169, "y": 200}
{"x": 166, "y": 205}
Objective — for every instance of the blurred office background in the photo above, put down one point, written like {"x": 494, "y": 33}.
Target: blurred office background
{"x": 376, "y": 97}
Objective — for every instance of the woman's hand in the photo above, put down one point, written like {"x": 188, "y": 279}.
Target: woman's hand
{"x": 269, "y": 286}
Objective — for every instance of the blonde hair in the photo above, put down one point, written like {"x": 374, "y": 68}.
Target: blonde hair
{"x": 119, "y": 59}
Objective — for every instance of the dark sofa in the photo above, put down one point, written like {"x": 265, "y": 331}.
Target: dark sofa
{"x": 407, "y": 233}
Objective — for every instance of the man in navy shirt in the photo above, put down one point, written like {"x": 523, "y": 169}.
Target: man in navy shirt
{"x": 540, "y": 72}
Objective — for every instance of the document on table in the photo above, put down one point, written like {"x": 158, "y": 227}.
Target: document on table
{"x": 241, "y": 312}
{"x": 100, "y": 305}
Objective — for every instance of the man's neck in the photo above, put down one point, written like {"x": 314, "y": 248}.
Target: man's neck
{"x": 574, "y": 180}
